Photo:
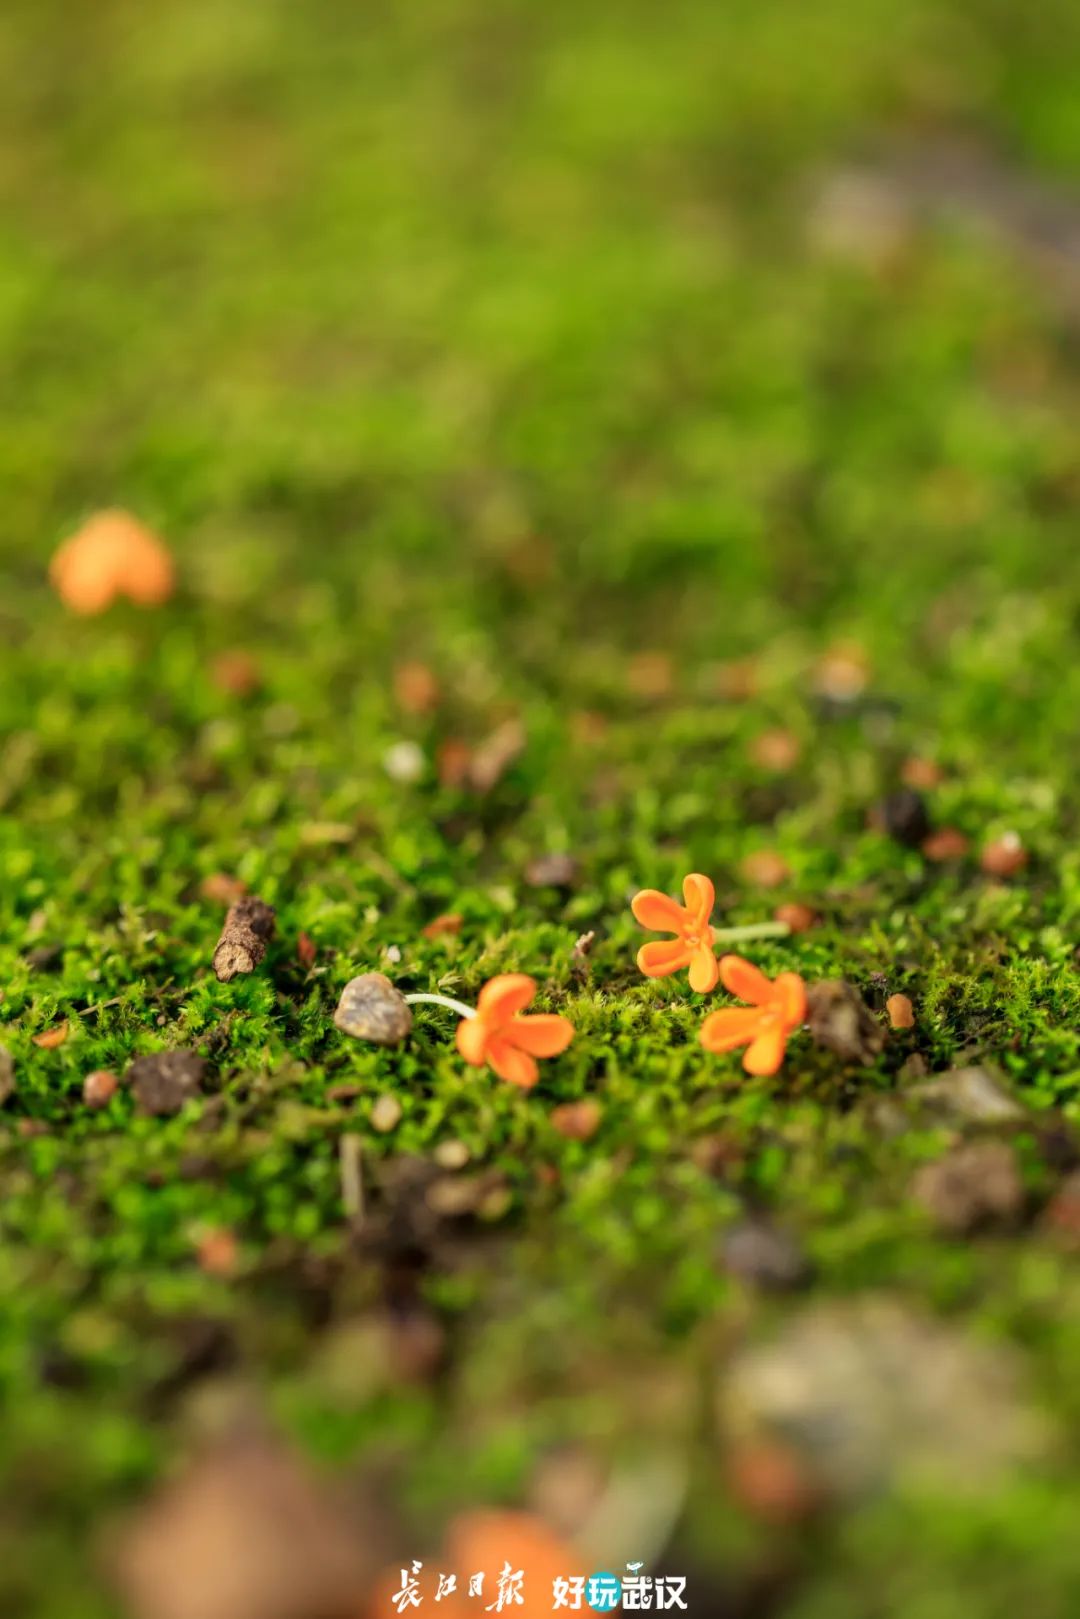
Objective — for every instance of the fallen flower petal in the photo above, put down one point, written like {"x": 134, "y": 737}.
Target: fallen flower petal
{"x": 777, "y": 1007}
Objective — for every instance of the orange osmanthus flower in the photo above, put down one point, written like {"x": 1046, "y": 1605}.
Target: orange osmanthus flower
{"x": 113, "y": 554}
{"x": 499, "y": 1035}
{"x": 692, "y": 945}
{"x": 777, "y": 1007}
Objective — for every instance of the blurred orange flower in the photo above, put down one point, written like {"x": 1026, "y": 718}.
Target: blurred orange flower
{"x": 499, "y": 1035}
{"x": 692, "y": 945}
{"x": 112, "y": 555}
{"x": 777, "y": 1007}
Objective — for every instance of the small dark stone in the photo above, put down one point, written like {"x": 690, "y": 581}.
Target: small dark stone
{"x": 840, "y": 1020}
{"x": 372, "y": 1009}
{"x": 903, "y": 815}
{"x": 974, "y": 1186}
{"x": 552, "y": 871}
{"x": 758, "y": 1253}
{"x": 165, "y": 1080}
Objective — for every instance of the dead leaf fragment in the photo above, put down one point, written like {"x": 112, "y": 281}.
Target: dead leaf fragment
{"x": 7, "y": 1074}
{"x": 49, "y": 1039}
{"x": 306, "y": 950}
{"x": 494, "y": 756}
{"x": 439, "y": 926}
{"x": 112, "y": 555}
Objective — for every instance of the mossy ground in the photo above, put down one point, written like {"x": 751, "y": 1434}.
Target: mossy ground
{"x": 501, "y": 337}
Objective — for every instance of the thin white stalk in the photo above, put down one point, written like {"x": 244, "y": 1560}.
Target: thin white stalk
{"x": 752, "y": 930}
{"x": 443, "y": 1000}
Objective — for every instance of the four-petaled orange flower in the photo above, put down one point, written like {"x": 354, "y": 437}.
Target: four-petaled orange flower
{"x": 692, "y": 945}
{"x": 777, "y": 1007}
{"x": 499, "y": 1035}
{"x": 113, "y": 554}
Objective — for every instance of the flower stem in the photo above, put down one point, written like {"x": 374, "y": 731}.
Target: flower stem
{"x": 443, "y": 1000}
{"x": 752, "y": 930}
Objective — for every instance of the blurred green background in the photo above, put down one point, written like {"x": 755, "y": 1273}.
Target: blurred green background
{"x": 615, "y": 362}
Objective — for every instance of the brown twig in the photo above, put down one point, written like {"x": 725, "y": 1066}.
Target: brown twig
{"x": 249, "y": 926}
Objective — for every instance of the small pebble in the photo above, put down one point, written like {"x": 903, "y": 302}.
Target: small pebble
{"x": 371, "y": 1008}
{"x": 385, "y": 1114}
{"x": 236, "y": 672}
{"x": 451, "y": 1155}
{"x": 840, "y": 1020}
{"x": 757, "y": 1252}
{"x": 921, "y": 774}
{"x": 415, "y": 688}
{"x": 650, "y": 674}
{"x": 947, "y": 843}
{"x": 776, "y": 750}
{"x": 577, "y": 1121}
{"x": 975, "y": 1185}
{"x": 163, "y": 1081}
{"x": 1004, "y": 857}
{"x": 901, "y": 1012}
{"x": 799, "y": 918}
{"x": 99, "y": 1088}
{"x": 552, "y": 871}
{"x": 216, "y": 1252}
{"x": 404, "y": 762}
{"x": 841, "y": 673}
{"x": 765, "y": 868}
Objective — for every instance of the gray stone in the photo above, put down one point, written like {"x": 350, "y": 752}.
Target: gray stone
{"x": 975, "y": 1094}
{"x": 164, "y": 1080}
{"x": 871, "y": 1393}
{"x": 372, "y": 1009}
